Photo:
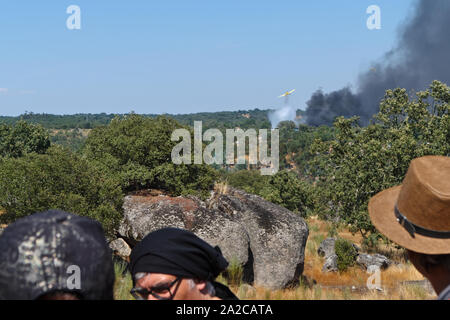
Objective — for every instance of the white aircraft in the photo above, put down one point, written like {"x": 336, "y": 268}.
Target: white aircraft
{"x": 287, "y": 93}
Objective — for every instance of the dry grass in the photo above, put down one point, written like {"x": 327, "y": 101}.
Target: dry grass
{"x": 221, "y": 187}
{"x": 403, "y": 292}
{"x": 338, "y": 286}
{"x": 354, "y": 276}
{"x": 123, "y": 283}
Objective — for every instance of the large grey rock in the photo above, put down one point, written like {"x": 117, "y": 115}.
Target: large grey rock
{"x": 268, "y": 240}
{"x": 330, "y": 264}
{"x": 326, "y": 247}
{"x": 277, "y": 236}
{"x": 144, "y": 214}
{"x": 367, "y": 260}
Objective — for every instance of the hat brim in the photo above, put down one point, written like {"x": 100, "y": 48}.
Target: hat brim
{"x": 381, "y": 211}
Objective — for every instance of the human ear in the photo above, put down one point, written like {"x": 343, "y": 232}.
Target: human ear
{"x": 200, "y": 284}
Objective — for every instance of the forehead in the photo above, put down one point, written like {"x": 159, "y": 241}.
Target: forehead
{"x": 151, "y": 279}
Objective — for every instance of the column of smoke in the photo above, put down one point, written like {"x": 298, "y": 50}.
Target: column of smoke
{"x": 421, "y": 56}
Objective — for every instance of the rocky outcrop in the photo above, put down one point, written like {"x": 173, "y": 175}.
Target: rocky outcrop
{"x": 144, "y": 214}
{"x": 266, "y": 239}
{"x": 378, "y": 260}
{"x": 330, "y": 264}
{"x": 277, "y": 236}
{"x": 326, "y": 247}
{"x": 120, "y": 248}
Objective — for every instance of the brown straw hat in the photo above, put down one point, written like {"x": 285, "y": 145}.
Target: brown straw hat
{"x": 416, "y": 214}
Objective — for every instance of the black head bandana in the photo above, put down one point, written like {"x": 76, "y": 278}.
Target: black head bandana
{"x": 177, "y": 252}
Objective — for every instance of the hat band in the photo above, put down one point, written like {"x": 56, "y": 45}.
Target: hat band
{"x": 413, "y": 228}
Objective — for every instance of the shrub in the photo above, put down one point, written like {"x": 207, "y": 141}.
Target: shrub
{"x": 58, "y": 179}
{"x": 288, "y": 190}
{"x": 346, "y": 254}
{"x": 332, "y": 230}
{"x": 136, "y": 150}
{"x": 23, "y": 138}
{"x": 250, "y": 181}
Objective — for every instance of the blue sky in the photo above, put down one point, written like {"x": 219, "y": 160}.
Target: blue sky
{"x": 184, "y": 56}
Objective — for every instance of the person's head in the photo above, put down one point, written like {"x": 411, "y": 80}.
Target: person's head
{"x": 55, "y": 255}
{"x": 170, "y": 287}
{"x": 434, "y": 267}
{"x": 416, "y": 215}
{"x": 173, "y": 263}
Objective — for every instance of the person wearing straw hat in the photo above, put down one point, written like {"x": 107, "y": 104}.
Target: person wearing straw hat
{"x": 416, "y": 215}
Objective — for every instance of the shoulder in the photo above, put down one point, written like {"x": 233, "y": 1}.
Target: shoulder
{"x": 445, "y": 294}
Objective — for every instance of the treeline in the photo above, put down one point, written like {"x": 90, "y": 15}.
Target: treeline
{"x": 52, "y": 121}
{"x": 244, "y": 119}
{"x": 222, "y": 120}
{"x": 70, "y": 130}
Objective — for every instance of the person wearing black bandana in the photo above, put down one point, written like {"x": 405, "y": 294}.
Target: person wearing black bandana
{"x": 175, "y": 264}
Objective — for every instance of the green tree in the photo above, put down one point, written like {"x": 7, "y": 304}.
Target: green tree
{"x": 136, "y": 150}
{"x": 284, "y": 188}
{"x": 22, "y": 138}
{"x": 346, "y": 254}
{"x": 250, "y": 181}
{"x": 58, "y": 179}
{"x": 288, "y": 190}
{"x": 361, "y": 161}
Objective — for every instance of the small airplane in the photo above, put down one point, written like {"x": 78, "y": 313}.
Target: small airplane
{"x": 287, "y": 93}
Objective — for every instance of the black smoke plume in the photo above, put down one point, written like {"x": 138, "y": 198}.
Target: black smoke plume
{"x": 421, "y": 56}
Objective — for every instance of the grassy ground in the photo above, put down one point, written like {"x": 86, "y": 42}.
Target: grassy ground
{"x": 349, "y": 285}
{"x": 123, "y": 283}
